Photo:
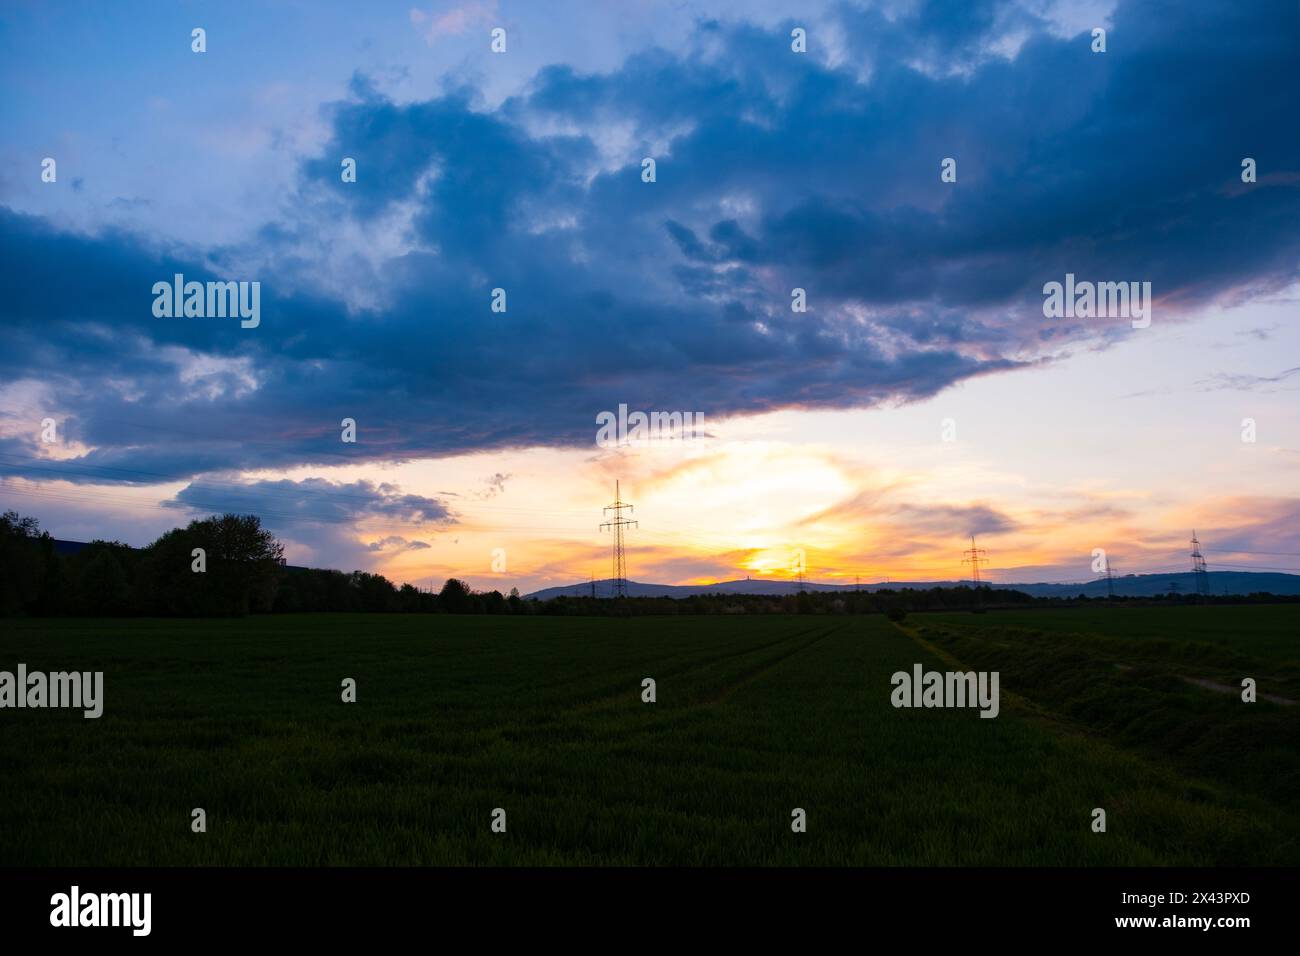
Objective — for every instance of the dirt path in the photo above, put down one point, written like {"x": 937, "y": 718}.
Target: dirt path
{"x": 1226, "y": 689}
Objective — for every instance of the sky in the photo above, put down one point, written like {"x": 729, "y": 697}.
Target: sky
{"x": 924, "y": 394}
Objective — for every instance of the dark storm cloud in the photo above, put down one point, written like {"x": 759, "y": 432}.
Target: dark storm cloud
{"x": 778, "y": 173}
{"x": 311, "y": 500}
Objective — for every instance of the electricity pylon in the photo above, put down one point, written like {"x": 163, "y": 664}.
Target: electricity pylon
{"x": 1199, "y": 573}
{"x": 974, "y": 557}
{"x": 618, "y": 523}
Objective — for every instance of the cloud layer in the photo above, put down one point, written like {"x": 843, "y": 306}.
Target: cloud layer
{"x": 774, "y": 171}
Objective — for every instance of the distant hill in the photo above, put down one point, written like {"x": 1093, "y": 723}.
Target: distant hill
{"x": 1130, "y": 585}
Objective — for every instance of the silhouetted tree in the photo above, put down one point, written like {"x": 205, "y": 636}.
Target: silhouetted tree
{"x": 99, "y": 580}
{"x": 242, "y": 568}
{"x": 375, "y": 592}
{"x": 455, "y": 597}
{"x": 21, "y": 563}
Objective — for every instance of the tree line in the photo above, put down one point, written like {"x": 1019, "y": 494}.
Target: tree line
{"x": 244, "y": 573}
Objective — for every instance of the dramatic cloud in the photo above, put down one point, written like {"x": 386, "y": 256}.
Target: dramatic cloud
{"x": 311, "y": 501}
{"x": 774, "y": 171}
{"x": 317, "y": 518}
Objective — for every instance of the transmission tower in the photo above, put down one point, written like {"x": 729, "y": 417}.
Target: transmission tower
{"x": 974, "y": 557}
{"x": 618, "y": 523}
{"x": 1110, "y": 580}
{"x": 1201, "y": 576}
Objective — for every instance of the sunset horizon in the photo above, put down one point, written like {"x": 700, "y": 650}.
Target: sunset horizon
{"x": 535, "y": 465}
{"x": 892, "y": 324}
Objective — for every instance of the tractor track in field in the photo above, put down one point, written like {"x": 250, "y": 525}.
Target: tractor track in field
{"x": 723, "y": 693}
{"x": 696, "y": 663}
{"x": 595, "y": 704}
{"x": 756, "y": 672}
{"x": 701, "y": 664}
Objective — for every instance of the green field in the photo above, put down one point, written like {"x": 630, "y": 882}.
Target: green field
{"x": 1267, "y": 632}
{"x": 755, "y": 716}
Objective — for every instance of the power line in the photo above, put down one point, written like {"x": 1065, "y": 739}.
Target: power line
{"x": 283, "y": 503}
{"x": 1282, "y": 554}
{"x": 974, "y": 557}
{"x": 1198, "y": 567}
{"x": 258, "y": 498}
{"x": 618, "y": 523}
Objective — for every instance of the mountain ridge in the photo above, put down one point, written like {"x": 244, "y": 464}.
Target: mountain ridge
{"x": 1130, "y": 585}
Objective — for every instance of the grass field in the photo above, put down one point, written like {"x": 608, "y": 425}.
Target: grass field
{"x": 755, "y": 716}
{"x": 1266, "y": 632}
